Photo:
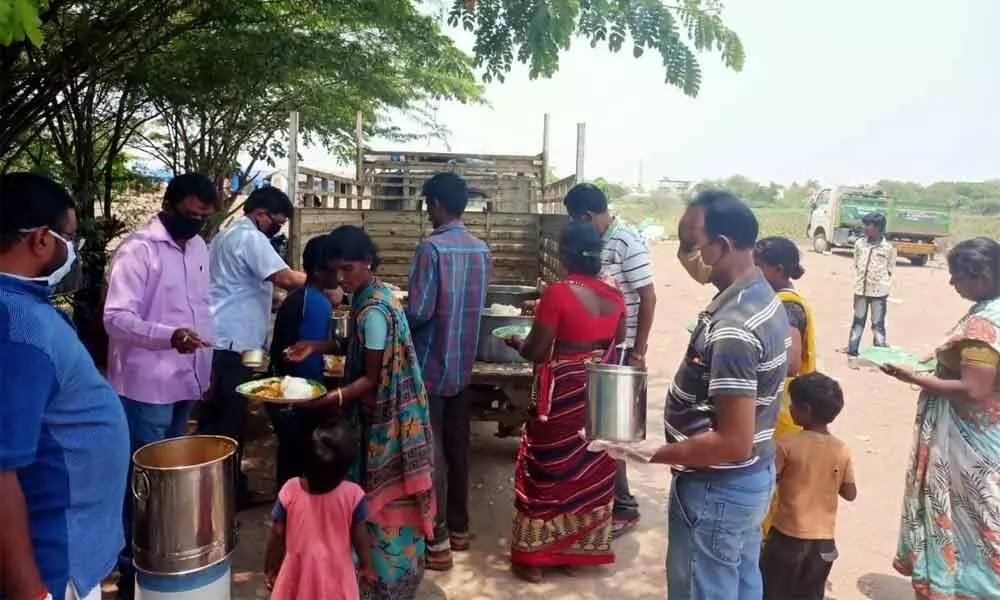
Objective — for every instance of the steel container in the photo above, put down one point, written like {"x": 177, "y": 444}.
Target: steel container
{"x": 183, "y": 520}
{"x": 492, "y": 349}
{"x": 616, "y": 403}
{"x": 252, "y": 359}
{"x": 341, "y": 324}
{"x": 510, "y": 295}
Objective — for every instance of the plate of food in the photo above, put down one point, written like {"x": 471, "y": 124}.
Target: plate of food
{"x": 282, "y": 390}
{"x": 512, "y": 331}
{"x": 891, "y": 355}
{"x": 333, "y": 366}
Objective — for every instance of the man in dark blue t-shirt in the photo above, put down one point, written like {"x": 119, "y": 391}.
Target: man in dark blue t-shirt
{"x": 64, "y": 448}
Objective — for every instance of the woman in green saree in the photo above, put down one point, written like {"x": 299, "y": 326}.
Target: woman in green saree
{"x": 384, "y": 396}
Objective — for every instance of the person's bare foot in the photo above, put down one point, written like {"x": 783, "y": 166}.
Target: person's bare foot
{"x": 526, "y": 573}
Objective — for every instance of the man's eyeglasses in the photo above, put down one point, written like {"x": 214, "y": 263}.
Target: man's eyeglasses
{"x": 72, "y": 240}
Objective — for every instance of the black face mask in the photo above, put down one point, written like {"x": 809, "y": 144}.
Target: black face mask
{"x": 182, "y": 227}
{"x": 273, "y": 230}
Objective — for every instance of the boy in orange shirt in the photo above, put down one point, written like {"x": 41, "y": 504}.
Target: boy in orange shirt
{"x": 813, "y": 469}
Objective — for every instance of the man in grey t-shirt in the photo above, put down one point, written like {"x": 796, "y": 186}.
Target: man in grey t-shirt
{"x": 721, "y": 410}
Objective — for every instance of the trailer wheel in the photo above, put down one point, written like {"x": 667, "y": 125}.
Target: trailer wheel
{"x": 919, "y": 261}
{"x": 820, "y": 244}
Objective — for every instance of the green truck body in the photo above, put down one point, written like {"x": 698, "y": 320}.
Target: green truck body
{"x": 835, "y": 221}
{"x": 902, "y": 219}
{"x": 919, "y": 221}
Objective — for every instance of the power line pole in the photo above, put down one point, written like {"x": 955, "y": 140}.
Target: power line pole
{"x": 293, "y": 156}
{"x": 581, "y": 138}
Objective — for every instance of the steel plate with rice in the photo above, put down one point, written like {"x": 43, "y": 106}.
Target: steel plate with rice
{"x": 512, "y": 331}
{"x": 270, "y": 390}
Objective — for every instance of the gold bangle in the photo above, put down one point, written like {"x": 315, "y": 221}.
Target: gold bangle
{"x": 340, "y": 396}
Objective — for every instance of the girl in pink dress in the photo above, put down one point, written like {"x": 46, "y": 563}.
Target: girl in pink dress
{"x": 317, "y": 520}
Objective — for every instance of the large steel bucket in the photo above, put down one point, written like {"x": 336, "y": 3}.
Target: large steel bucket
{"x": 183, "y": 519}
{"x": 616, "y": 403}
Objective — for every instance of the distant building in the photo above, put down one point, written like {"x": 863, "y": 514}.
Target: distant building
{"x": 674, "y": 187}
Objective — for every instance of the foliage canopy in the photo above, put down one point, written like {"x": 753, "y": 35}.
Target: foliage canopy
{"x": 226, "y": 94}
{"x": 536, "y": 31}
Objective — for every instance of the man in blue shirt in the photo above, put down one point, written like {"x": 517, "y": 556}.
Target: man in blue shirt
{"x": 243, "y": 268}
{"x": 64, "y": 446}
{"x": 447, "y": 291}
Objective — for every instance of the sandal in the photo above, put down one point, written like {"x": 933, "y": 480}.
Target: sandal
{"x": 439, "y": 560}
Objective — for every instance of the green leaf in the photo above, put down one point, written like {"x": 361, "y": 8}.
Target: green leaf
{"x": 19, "y": 20}
{"x": 536, "y": 31}
{"x": 26, "y": 12}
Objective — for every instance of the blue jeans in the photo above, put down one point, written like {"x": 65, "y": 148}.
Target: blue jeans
{"x": 147, "y": 423}
{"x": 714, "y": 535}
{"x": 861, "y": 306}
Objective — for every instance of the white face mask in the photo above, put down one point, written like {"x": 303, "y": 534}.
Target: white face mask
{"x": 55, "y": 277}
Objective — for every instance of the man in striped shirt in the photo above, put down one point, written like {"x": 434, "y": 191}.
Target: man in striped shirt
{"x": 722, "y": 408}
{"x": 447, "y": 292}
{"x": 626, "y": 260}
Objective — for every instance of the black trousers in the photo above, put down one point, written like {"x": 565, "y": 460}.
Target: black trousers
{"x": 225, "y": 412}
{"x": 795, "y": 569}
{"x": 294, "y": 429}
{"x": 450, "y": 424}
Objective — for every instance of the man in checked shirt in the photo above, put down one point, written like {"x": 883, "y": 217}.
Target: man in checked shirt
{"x": 447, "y": 290}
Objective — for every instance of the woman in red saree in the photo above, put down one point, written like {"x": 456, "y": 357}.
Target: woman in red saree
{"x": 564, "y": 493}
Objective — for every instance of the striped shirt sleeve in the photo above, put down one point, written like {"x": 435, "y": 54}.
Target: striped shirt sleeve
{"x": 637, "y": 269}
{"x": 736, "y": 358}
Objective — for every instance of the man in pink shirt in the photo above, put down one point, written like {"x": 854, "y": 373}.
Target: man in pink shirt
{"x": 157, "y": 316}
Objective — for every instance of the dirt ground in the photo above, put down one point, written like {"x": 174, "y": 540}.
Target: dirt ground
{"x": 876, "y": 424}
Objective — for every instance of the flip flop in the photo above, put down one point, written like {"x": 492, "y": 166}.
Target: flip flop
{"x": 620, "y": 527}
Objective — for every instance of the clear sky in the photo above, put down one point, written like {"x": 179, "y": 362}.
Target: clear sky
{"x": 844, "y": 91}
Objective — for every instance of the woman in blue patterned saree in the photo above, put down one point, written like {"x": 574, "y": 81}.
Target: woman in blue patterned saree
{"x": 384, "y": 395}
{"x": 949, "y": 541}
